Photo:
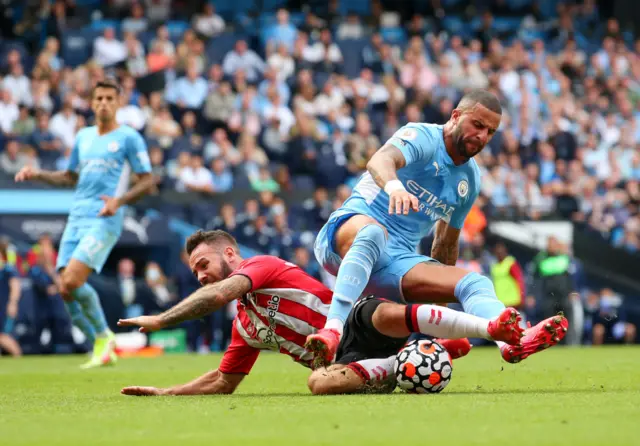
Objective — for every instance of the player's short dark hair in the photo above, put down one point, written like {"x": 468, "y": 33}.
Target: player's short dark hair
{"x": 210, "y": 238}
{"x": 482, "y": 97}
{"x": 106, "y": 83}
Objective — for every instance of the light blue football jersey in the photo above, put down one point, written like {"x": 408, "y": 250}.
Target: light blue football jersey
{"x": 104, "y": 164}
{"x": 446, "y": 191}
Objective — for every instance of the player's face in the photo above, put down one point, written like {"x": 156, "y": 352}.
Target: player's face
{"x": 474, "y": 129}
{"x": 105, "y": 103}
{"x": 208, "y": 264}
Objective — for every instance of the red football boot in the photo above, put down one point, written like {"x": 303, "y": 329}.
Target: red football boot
{"x": 323, "y": 344}
{"x": 506, "y": 327}
{"x": 540, "y": 337}
{"x": 457, "y": 348}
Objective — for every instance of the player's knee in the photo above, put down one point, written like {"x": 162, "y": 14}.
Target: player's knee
{"x": 388, "y": 319}
{"x": 69, "y": 282}
{"x": 374, "y": 232}
{"x": 319, "y": 383}
{"x": 473, "y": 282}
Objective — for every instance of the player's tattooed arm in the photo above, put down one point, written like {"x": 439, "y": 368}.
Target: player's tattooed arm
{"x": 206, "y": 300}
{"x": 445, "y": 244}
{"x": 63, "y": 178}
{"x": 145, "y": 184}
{"x": 384, "y": 164}
{"x": 383, "y": 167}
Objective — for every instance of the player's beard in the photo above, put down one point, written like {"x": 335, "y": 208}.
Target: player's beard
{"x": 225, "y": 269}
{"x": 461, "y": 143}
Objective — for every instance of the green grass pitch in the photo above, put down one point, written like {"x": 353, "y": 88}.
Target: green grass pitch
{"x": 563, "y": 397}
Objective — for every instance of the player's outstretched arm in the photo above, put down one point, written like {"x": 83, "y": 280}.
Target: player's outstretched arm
{"x": 64, "y": 178}
{"x": 445, "y": 243}
{"x": 206, "y": 300}
{"x": 211, "y": 383}
{"x": 383, "y": 167}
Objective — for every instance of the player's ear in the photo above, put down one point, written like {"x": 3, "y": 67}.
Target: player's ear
{"x": 455, "y": 115}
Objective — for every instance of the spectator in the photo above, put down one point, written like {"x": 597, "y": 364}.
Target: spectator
{"x": 208, "y": 24}
{"x": 264, "y": 181}
{"x": 18, "y": 84}
{"x": 163, "y": 42}
{"x": 11, "y": 160}
{"x": 282, "y": 62}
{"x": 508, "y": 278}
{"x": 221, "y": 178}
{"x": 189, "y": 91}
{"x": 157, "y": 283}
{"x": 10, "y": 293}
{"x": 107, "y": 50}
{"x": 609, "y": 319}
{"x": 283, "y": 32}
{"x": 136, "y": 22}
{"x": 9, "y": 112}
{"x": 324, "y": 55}
{"x": 63, "y": 125}
{"x": 220, "y": 104}
{"x": 25, "y": 125}
{"x": 242, "y": 58}
{"x": 195, "y": 177}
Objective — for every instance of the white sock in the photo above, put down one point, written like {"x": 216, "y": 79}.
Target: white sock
{"x": 373, "y": 370}
{"x": 336, "y": 324}
{"x": 443, "y": 322}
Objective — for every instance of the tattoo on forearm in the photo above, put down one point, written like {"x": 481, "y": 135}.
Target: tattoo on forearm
{"x": 207, "y": 300}
{"x": 385, "y": 163}
{"x": 445, "y": 253}
{"x": 142, "y": 187}
{"x": 59, "y": 178}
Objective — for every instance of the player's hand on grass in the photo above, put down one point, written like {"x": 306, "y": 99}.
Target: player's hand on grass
{"x": 27, "y": 173}
{"x": 142, "y": 391}
{"x": 401, "y": 202}
{"x": 110, "y": 207}
{"x": 146, "y": 323}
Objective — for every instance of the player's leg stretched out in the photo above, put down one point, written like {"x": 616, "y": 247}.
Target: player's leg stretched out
{"x": 83, "y": 303}
{"x": 376, "y": 329}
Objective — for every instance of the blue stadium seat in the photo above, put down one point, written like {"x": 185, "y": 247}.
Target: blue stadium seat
{"x": 359, "y": 7}
{"x": 177, "y": 28}
{"x": 101, "y": 25}
{"x": 352, "y": 55}
{"x": 220, "y": 45}
{"x": 394, "y": 36}
{"x": 303, "y": 182}
{"x": 77, "y": 46}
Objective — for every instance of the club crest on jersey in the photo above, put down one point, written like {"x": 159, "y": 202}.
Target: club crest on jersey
{"x": 463, "y": 188}
{"x": 408, "y": 134}
{"x": 113, "y": 147}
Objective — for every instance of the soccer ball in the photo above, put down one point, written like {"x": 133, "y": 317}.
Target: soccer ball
{"x": 423, "y": 366}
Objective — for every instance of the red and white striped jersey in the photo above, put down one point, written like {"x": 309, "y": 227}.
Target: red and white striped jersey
{"x": 285, "y": 305}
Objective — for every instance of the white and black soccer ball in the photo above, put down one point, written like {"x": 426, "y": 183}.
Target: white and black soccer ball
{"x": 423, "y": 366}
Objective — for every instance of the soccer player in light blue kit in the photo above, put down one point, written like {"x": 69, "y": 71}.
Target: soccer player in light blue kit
{"x": 100, "y": 166}
{"x": 423, "y": 178}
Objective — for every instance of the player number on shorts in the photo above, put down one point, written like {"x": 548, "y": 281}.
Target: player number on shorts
{"x": 91, "y": 246}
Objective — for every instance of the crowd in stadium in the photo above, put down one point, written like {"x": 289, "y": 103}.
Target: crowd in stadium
{"x": 303, "y": 101}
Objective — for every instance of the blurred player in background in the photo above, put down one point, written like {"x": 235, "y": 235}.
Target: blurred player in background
{"x": 423, "y": 177}
{"x": 279, "y": 305}
{"x": 99, "y": 167}
{"x": 10, "y": 291}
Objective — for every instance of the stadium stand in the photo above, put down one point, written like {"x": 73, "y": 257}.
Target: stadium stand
{"x": 260, "y": 116}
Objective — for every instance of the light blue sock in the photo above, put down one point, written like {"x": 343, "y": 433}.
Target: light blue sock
{"x": 355, "y": 271}
{"x": 88, "y": 299}
{"x": 79, "y": 320}
{"x": 478, "y": 296}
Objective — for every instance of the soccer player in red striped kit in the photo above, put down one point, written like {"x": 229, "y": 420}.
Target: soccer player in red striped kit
{"x": 279, "y": 305}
